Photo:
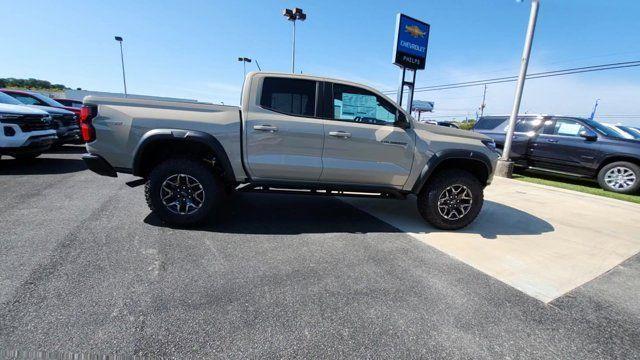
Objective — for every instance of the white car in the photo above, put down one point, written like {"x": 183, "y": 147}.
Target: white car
{"x": 25, "y": 132}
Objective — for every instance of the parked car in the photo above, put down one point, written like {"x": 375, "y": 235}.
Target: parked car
{"x": 442, "y": 123}
{"x": 629, "y": 131}
{"x": 65, "y": 122}
{"x": 295, "y": 134}
{"x": 36, "y": 98}
{"x": 26, "y": 132}
{"x": 68, "y": 103}
{"x": 570, "y": 146}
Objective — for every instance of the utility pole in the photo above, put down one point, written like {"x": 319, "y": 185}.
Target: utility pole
{"x": 484, "y": 96}
{"x": 504, "y": 167}
{"x": 293, "y": 15}
{"x": 124, "y": 79}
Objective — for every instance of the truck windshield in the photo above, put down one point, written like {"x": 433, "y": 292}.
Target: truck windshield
{"x": 6, "y": 99}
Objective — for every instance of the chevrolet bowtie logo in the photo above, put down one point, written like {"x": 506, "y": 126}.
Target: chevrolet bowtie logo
{"x": 414, "y": 31}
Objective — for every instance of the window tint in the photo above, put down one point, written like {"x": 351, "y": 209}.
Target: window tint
{"x": 28, "y": 100}
{"x": 490, "y": 123}
{"x": 524, "y": 125}
{"x": 289, "y": 96}
{"x": 566, "y": 127}
{"x": 358, "y": 105}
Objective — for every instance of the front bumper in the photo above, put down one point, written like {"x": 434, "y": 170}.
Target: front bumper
{"x": 99, "y": 165}
{"x": 69, "y": 134}
{"x": 33, "y": 144}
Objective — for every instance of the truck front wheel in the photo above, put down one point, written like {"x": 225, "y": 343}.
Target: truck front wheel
{"x": 183, "y": 191}
{"x": 451, "y": 200}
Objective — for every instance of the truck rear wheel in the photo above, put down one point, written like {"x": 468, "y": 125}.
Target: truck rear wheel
{"x": 183, "y": 191}
{"x": 451, "y": 200}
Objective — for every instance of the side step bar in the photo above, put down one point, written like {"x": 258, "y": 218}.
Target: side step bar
{"x": 302, "y": 190}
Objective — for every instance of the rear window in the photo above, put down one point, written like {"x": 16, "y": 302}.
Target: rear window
{"x": 289, "y": 96}
{"x": 490, "y": 123}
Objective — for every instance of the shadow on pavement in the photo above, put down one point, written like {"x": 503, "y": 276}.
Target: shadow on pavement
{"x": 270, "y": 214}
{"x": 499, "y": 219}
{"x": 67, "y": 149}
{"x": 40, "y": 166}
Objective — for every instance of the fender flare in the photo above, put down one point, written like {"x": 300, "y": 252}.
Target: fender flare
{"x": 186, "y": 136}
{"x": 437, "y": 158}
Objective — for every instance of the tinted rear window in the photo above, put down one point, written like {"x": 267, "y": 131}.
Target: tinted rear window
{"x": 289, "y": 96}
{"x": 491, "y": 123}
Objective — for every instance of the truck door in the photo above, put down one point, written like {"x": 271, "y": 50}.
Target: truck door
{"x": 560, "y": 147}
{"x": 523, "y": 135}
{"x": 362, "y": 144}
{"x": 284, "y": 138}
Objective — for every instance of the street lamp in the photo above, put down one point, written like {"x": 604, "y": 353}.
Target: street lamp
{"x": 293, "y": 15}
{"x": 244, "y": 63}
{"x": 124, "y": 79}
{"x": 504, "y": 167}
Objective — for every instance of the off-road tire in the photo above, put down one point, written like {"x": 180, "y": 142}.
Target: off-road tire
{"x": 624, "y": 165}
{"x": 211, "y": 184}
{"x": 431, "y": 192}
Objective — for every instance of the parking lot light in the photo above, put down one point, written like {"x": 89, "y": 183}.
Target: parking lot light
{"x": 293, "y": 15}
{"x": 124, "y": 79}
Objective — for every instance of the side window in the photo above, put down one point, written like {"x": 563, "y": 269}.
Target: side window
{"x": 567, "y": 127}
{"x": 28, "y": 100}
{"x": 358, "y": 105}
{"x": 289, "y": 96}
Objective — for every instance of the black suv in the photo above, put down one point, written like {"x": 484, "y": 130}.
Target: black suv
{"x": 570, "y": 146}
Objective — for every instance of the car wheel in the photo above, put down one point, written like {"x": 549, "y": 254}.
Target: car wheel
{"x": 183, "y": 191}
{"x": 621, "y": 176}
{"x": 451, "y": 200}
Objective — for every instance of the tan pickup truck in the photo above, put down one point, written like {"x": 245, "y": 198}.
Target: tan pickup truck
{"x": 292, "y": 133}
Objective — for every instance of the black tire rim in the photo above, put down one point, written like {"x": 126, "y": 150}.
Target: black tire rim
{"x": 182, "y": 194}
{"x": 455, "y": 202}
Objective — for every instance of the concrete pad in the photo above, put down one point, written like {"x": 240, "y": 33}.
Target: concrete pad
{"x": 541, "y": 240}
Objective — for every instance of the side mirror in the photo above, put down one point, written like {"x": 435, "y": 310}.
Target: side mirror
{"x": 588, "y": 135}
{"x": 403, "y": 124}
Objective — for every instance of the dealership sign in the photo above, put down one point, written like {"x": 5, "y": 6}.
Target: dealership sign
{"x": 411, "y": 40}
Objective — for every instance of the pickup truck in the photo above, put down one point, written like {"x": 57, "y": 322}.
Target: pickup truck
{"x": 293, "y": 134}
{"x": 24, "y": 132}
{"x": 570, "y": 146}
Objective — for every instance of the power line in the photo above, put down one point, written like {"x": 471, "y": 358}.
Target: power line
{"x": 569, "y": 71}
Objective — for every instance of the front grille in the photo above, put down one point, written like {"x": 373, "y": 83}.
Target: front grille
{"x": 68, "y": 120}
{"x": 28, "y": 123}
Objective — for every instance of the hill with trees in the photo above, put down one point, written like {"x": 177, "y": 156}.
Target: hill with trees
{"x": 31, "y": 84}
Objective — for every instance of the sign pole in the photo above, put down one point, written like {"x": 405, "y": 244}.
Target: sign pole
{"x": 504, "y": 168}
{"x": 409, "y": 52}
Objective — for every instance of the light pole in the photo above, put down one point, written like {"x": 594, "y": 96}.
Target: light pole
{"x": 504, "y": 167}
{"x": 124, "y": 79}
{"x": 244, "y": 64}
{"x": 293, "y": 15}
{"x": 595, "y": 107}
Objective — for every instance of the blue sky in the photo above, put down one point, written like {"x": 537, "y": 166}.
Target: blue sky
{"x": 190, "y": 48}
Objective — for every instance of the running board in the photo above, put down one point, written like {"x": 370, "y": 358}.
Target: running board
{"x": 557, "y": 172}
{"x": 274, "y": 189}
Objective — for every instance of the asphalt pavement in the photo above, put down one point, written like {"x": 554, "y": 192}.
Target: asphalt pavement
{"x": 85, "y": 268}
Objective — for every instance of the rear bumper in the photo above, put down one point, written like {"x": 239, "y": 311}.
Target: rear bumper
{"x": 99, "y": 165}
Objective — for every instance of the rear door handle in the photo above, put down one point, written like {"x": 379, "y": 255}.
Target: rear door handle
{"x": 552, "y": 140}
{"x": 268, "y": 128}
{"x": 340, "y": 134}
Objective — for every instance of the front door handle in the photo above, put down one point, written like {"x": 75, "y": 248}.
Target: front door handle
{"x": 552, "y": 140}
{"x": 268, "y": 128}
{"x": 340, "y": 134}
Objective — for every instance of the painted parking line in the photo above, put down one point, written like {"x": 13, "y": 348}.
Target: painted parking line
{"x": 541, "y": 240}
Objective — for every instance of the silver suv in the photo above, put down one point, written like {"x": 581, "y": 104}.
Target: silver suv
{"x": 295, "y": 134}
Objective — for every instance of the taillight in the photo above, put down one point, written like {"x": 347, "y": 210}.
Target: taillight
{"x": 87, "y": 113}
